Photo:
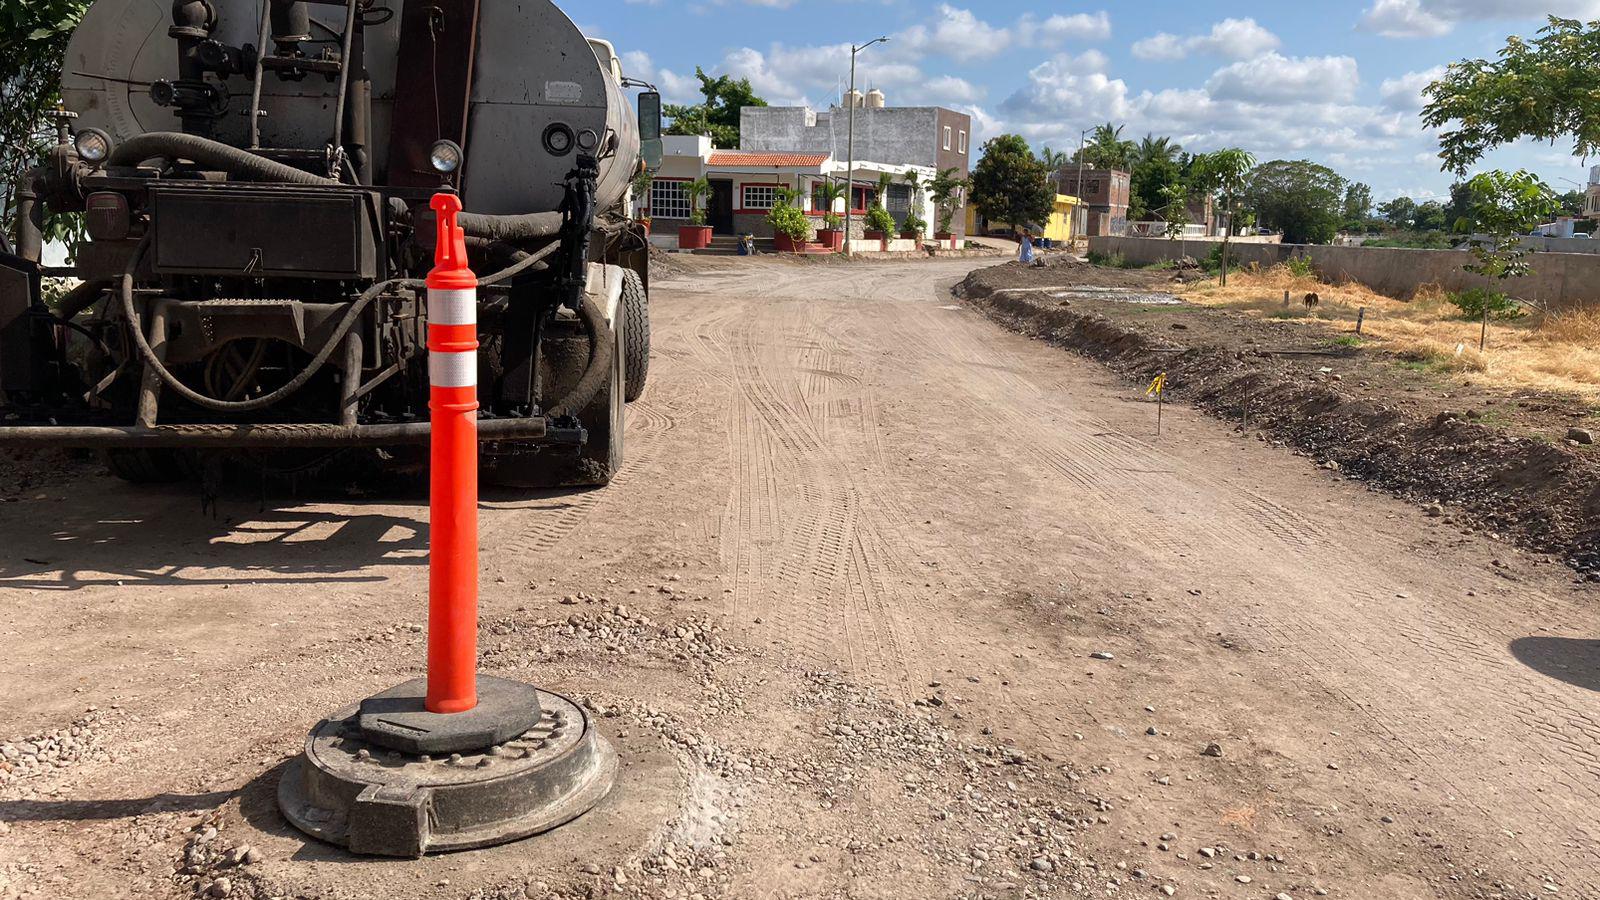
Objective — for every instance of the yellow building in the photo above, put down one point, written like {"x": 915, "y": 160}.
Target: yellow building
{"x": 1058, "y": 229}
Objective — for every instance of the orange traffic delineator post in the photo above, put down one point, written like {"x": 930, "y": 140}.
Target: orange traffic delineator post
{"x": 468, "y": 760}
{"x": 453, "y": 489}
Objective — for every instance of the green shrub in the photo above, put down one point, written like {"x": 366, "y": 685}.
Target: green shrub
{"x": 832, "y": 220}
{"x": 697, "y": 218}
{"x": 1473, "y": 302}
{"x": 914, "y": 223}
{"x": 878, "y": 219}
{"x": 789, "y": 222}
{"x": 1109, "y": 260}
{"x": 1299, "y": 266}
{"x": 1212, "y": 264}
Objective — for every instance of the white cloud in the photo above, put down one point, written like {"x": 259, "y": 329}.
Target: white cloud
{"x": 1230, "y": 39}
{"x": 1059, "y": 29}
{"x": 1402, "y": 18}
{"x": 674, "y": 88}
{"x": 1432, "y": 18}
{"x": 1274, "y": 78}
{"x": 1405, "y": 93}
{"x": 958, "y": 34}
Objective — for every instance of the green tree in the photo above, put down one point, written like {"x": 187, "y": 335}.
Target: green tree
{"x": 1459, "y": 210}
{"x": 1225, "y": 173}
{"x": 1300, "y": 197}
{"x": 33, "y": 42}
{"x": 1357, "y": 205}
{"x": 1401, "y": 211}
{"x": 1149, "y": 186}
{"x": 1107, "y": 150}
{"x": 1152, "y": 148}
{"x": 1571, "y": 204}
{"x": 1430, "y": 216}
{"x": 718, "y": 116}
{"x": 945, "y": 187}
{"x": 1009, "y": 183}
{"x": 1547, "y": 88}
{"x": 1504, "y": 206}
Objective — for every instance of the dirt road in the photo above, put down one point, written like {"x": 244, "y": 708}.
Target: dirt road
{"x": 888, "y": 602}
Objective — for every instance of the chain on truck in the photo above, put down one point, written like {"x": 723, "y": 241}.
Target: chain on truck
{"x": 254, "y": 178}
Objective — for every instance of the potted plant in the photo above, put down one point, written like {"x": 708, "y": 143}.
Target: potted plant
{"x": 945, "y": 187}
{"x": 913, "y": 227}
{"x": 697, "y": 234}
{"x": 879, "y": 223}
{"x": 641, "y": 195}
{"x": 789, "y": 225}
{"x": 831, "y": 233}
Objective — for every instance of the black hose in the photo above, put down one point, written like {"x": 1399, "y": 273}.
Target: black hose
{"x": 243, "y": 163}
{"x": 511, "y": 229}
{"x": 296, "y": 383}
{"x": 602, "y": 344}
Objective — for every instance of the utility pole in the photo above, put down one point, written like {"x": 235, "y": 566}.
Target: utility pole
{"x": 850, "y": 151}
{"x": 1083, "y": 208}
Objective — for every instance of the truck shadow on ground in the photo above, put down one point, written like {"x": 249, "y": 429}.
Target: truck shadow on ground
{"x": 99, "y": 810}
{"x": 105, "y": 533}
{"x": 1573, "y": 660}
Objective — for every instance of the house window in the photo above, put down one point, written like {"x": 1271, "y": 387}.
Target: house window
{"x": 863, "y": 198}
{"x": 669, "y": 199}
{"x": 947, "y": 137}
{"x": 899, "y": 202}
{"x": 963, "y": 144}
{"x": 760, "y": 196}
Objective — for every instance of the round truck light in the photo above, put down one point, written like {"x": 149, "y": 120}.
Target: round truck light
{"x": 93, "y": 145}
{"x": 445, "y": 157}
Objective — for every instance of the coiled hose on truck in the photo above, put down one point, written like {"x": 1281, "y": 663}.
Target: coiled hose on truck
{"x": 247, "y": 165}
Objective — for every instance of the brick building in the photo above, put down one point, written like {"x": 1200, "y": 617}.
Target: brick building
{"x": 1105, "y": 194}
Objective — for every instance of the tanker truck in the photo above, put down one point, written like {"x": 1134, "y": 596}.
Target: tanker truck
{"x": 254, "y": 179}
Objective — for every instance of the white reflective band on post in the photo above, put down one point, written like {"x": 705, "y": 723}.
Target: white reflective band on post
{"x": 457, "y": 307}
{"x": 453, "y": 369}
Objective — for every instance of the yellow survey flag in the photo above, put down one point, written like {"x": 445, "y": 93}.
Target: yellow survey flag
{"x": 1157, "y": 386}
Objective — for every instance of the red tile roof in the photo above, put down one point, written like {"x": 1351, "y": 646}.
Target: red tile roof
{"x": 756, "y": 158}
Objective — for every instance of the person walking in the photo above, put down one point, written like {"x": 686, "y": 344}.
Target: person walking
{"x": 1025, "y": 249}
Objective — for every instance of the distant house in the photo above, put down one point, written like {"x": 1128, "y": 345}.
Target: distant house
{"x": 745, "y": 186}
{"x": 1059, "y": 229}
{"x": 928, "y": 139}
{"x": 1105, "y": 194}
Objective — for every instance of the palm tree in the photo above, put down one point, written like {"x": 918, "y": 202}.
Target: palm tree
{"x": 1154, "y": 148}
{"x": 1107, "y": 150}
{"x": 697, "y": 189}
{"x": 1054, "y": 161}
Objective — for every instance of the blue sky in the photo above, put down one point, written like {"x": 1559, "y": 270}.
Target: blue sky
{"x": 1337, "y": 83}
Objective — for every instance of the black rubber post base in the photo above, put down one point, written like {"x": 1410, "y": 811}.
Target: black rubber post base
{"x": 372, "y": 799}
{"x": 399, "y": 720}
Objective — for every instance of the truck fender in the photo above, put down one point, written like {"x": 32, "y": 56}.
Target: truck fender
{"x": 605, "y": 286}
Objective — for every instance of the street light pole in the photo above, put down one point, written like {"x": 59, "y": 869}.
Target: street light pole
{"x": 850, "y": 149}
{"x": 1083, "y": 208}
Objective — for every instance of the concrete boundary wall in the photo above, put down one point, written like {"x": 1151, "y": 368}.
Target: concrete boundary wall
{"x": 1561, "y": 280}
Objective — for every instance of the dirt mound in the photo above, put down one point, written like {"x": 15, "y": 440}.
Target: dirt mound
{"x": 1537, "y": 494}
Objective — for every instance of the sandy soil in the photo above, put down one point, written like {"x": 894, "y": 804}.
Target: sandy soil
{"x": 888, "y": 602}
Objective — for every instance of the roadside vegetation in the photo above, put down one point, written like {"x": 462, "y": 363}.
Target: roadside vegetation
{"x": 1435, "y": 331}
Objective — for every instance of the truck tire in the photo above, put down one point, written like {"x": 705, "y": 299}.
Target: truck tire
{"x": 635, "y": 308}
{"x": 144, "y": 465}
{"x": 601, "y": 457}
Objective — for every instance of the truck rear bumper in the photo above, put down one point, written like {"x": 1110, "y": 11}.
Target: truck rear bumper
{"x": 272, "y": 436}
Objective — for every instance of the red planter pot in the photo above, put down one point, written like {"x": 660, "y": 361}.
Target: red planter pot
{"x": 911, "y": 236}
{"x": 694, "y": 237}
{"x": 645, "y": 224}
{"x": 879, "y": 236}
{"x": 832, "y": 238}
{"x": 946, "y": 238}
{"x": 785, "y": 244}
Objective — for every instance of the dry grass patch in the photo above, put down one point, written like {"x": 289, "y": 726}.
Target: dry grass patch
{"x": 1558, "y": 352}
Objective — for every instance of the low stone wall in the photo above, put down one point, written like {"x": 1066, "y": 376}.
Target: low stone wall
{"x": 1560, "y": 280}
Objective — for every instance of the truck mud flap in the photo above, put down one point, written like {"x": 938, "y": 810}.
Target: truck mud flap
{"x": 19, "y": 291}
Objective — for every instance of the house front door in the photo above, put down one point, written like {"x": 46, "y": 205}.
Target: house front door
{"x": 719, "y": 208}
